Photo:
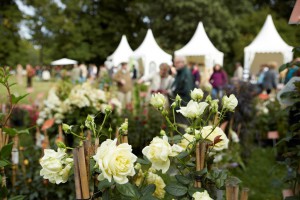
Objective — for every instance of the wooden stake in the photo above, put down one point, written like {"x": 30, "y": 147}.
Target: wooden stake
{"x": 200, "y": 160}
{"x": 76, "y": 174}
{"x": 232, "y": 192}
{"x": 117, "y": 136}
{"x": 60, "y": 134}
{"x": 244, "y": 195}
{"x": 83, "y": 174}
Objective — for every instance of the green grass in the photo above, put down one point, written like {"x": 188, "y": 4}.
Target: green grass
{"x": 39, "y": 87}
{"x": 262, "y": 175}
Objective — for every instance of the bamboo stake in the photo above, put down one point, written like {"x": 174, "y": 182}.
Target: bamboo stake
{"x": 244, "y": 195}
{"x": 83, "y": 174}
{"x": 60, "y": 133}
{"x": 15, "y": 159}
{"x": 232, "y": 192}
{"x": 76, "y": 174}
{"x": 117, "y": 136}
{"x": 200, "y": 160}
{"x": 87, "y": 153}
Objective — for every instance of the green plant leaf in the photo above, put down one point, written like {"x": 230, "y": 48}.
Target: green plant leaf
{"x": 143, "y": 161}
{"x": 4, "y": 163}
{"x": 183, "y": 180}
{"x": 283, "y": 67}
{"x": 105, "y": 184}
{"x": 176, "y": 190}
{"x": 148, "y": 197}
{"x": 10, "y": 131}
{"x": 182, "y": 155}
{"x": 128, "y": 190}
{"x": 149, "y": 189}
{"x": 201, "y": 173}
{"x": 25, "y": 131}
{"x": 5, "y": 152}
{"x": 192, "y": 190}
{"x": 19, "y": 197}
{"x": 16, "y": 99}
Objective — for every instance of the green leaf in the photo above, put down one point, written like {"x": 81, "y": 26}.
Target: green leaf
{"x": 16, "y": 99}
{"x": 193, "y": 190}
{"x": 143, "y": 162}
{"x": 283, "y": 67}
{"x": 182, "y": 155}
{"x": 128, "y": 190}
{"x": 5, "y": 152}
{"x": 105, "y": 195}
{"x": 105, "y": 184}
{"x": 149, "y": 189}
{"x": 4, "y": 163}
{"x": 201, "y": 173}
{"x": 176, "y": 190}
{"x": 148, "y": 197}
{"x": 10, "y": 131}
{"x": 182, "y": 179}
{"x": 25, "y": 131}
{"x": 19, "y": 197}
{"x": 176, "y": 139}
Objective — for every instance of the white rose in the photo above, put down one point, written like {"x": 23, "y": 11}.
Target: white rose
{"x": 193, "y": 109}
{"x": 158, "y": 153}
{"x": 201, "y": 196}
{"x": 229, "y": 102}
{"x": 214, "y": 105}
{"x": 234, "y": 136}
{"x": 40, "y": 121}
{"x": 158, "y": 101}
{"x": 207, "y": 133}
{"x": 176, "y": 149}
{"x": 197, "y": 94}
{"x": 159, "y": 184}
{"x": 114, "y": 161}
{"x": 187, "y": 141}
{"x": 218, "y": 158}
{"x": 56, "y": 166}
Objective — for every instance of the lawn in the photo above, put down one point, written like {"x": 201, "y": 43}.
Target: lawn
{"x": 262, "y": 175}
{"x": 40, "y": 89}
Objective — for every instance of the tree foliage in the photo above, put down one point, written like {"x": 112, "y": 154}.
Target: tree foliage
{"x": 89, "y": 31}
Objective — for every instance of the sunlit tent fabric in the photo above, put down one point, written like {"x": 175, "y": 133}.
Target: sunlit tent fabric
{"x": 150, "y": 55}
{"x": 122, "y": 53}
{"x": 267, "y": 46}
{"x": 64, "y": 61}
{"x": 200, "y": 45}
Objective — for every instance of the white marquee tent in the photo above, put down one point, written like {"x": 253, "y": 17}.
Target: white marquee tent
{"x": 267, "y": 46}
{"x": 64, "y": 61}
{"x": 121, "y": 54}
{"x": 200, "y": 45}
{"x": 150, "y": 55}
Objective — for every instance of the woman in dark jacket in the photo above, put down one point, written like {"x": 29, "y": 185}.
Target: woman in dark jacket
{"x": 218, "y": 80}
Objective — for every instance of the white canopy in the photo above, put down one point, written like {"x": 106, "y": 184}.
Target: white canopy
{"x": 200, "y": 45}
{"x": 122, "y": 53}
{"x": 268, "y": 41}
{"x": 151, "y": 54}
{"x": 64, "y": 61}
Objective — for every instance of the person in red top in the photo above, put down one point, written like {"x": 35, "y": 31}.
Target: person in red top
{"x": 30, "y": 74}
{"x": 218, "y": 80}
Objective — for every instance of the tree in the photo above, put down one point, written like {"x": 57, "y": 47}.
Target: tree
{"x": 10, "y": 16}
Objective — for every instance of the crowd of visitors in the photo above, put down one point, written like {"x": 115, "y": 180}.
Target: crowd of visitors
{"x": 179, "y": 79}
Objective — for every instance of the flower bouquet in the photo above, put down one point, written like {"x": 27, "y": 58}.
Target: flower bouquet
{"x": 174, "y": 165}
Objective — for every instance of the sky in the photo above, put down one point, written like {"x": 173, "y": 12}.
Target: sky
{"x": 29, "y": 10}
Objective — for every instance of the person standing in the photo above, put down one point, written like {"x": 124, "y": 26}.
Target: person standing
{"x": 218, "y": 81}
{"x": 84, "y": 73}
{"x": 183, "y": 83}
{"x": 124, "y": 84}
{"x": 75, "y": 74}
{"x": 161, "y": 81}
{"x": 196, "y": 75}
{"x": 182, "y": 86}
{"x": 238, "y": 72}
{"x": 30, "y": 74}
{"x": 270, "y": 78}
{"x": 19, "y": 72}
